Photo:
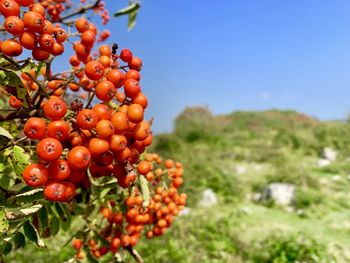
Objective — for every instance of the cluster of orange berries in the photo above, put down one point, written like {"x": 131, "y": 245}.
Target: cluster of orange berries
{"x": 126, "y": 223}
{"x": 105, "y": 140}
{"x": 32, "y": 31}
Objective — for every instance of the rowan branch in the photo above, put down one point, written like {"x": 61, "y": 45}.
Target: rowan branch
{"x": 22, "y": 114}
{"x": 81, "y": 10}
{"x": 135, "y": 254}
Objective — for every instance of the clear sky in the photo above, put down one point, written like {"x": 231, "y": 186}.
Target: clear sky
{"x": 241, "y": 55}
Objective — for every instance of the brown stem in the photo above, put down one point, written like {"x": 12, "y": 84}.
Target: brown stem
{"x": 20, "y": 115}
{"x": 13, "y": 143}
{"x": 135, "y": 254}
{"x": 90, "y": 100}
{"x": 81, "y": 10}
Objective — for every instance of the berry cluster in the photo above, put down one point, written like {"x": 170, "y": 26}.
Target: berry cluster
{"x": 101, "y": 138}
{"x": 31, "y": 31}
{"x": 125, "y": 223}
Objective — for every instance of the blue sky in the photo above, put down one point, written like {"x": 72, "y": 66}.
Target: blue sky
{"x": 241, "y": 55}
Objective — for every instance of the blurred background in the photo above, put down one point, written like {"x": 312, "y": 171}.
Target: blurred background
{"x": 252, "y": 96}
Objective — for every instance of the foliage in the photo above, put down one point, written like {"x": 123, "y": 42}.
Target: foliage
{"x": 284, "y": 248}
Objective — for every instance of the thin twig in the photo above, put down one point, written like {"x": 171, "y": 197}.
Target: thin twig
{"x": 81, "y": 10}
{"x": 135, "y": 254}
{"x": 90, "y": 100}
{"x": 13, "y": 143}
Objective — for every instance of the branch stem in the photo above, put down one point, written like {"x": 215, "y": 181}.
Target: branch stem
{"x": 135, "y": 254}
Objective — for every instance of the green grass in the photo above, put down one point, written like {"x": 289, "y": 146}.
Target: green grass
{"x": 273, "y": 146}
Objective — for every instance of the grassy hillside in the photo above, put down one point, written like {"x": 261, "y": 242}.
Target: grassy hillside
{"x": 272, "y": 146}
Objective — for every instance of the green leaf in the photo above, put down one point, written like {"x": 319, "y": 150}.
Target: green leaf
{"x": 61, "y": 212}
{"x": 132, "y": 20}
{"x": 40, "y": 66}
{"x": 127, "y": 10}
{"x": 7, "y": 248}
{"x": 4, "y": 225}
{"x": 11, "y": 127}
{"x": 4, "y": 80}
{"x": 67, "y": 224}
{"x": 54, "y": 226}
{"x": 23, "y": 212}
{"x": 29, "y": 196}
{"x": 5, "y": 133}
{"x": 5, "y": 181}
{"x": 32, "y": 234}
{"x": 104, "y": 192}
{"x": 144, "y": 191}
{"x": 30, "y": 192}
{"x": 19, "y": 240}
{"x": 30, "y": 210}
{"x": 20, "y": 159}
{"x": 43, "y": 218}
{"x": 30, "y": 65}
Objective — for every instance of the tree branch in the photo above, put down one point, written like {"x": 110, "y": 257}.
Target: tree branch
{"x": 20, "y": 115}
{"x": 135, "y": 254}
{"x": 81, "y": 10}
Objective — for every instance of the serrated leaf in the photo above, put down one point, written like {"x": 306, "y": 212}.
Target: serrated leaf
{"x": 19, "y": 240}
{"x": 144, "y": 191}
{"x": 7, "y": 248}
{"x": 5, "y": 133}
{"x": 127, "y": 10}
{"x": 43, "y": 218}
{"x": 4, "y": 225}
{"x": 54, "y": 226}
{"x": 29, "y": 196}
{"x": 22, "y": 212}
{"x": 20, "y": 159}
{"x": 32, "y": 234}
{"x": 31, "y": 192}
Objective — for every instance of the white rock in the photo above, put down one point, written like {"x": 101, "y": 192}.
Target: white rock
{"x": 257, "y": 167}
{"x": 289, "y": 209}
{"x": 300, "y": 212}
{"x": 336, "y": 178}
{"x": 185, "y": 211}
{"x": 323, "y": 162}
{"x": 257, "y": 197}
{"x": 240, "y": 169}
{"x": 208, "y": 198}
{"x": 246, "y": 210}
{"x": 329, "y": 154}
{"x": 280, "y": 193}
